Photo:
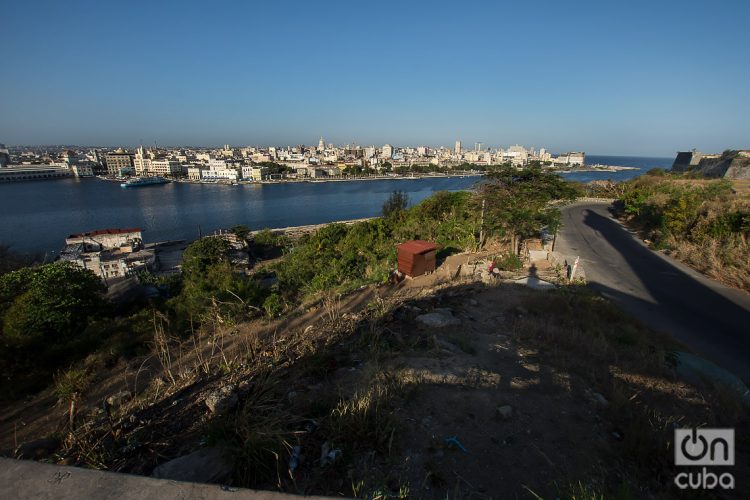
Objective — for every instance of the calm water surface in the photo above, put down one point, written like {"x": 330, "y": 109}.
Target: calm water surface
{"x": 37, "y": 216}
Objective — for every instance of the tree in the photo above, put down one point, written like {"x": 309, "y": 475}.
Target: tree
{"x": 515, "y": 204}
{"x": 200, "y": 255}
{"x": 53, "y": 303}
{"x": 395, "y": 204}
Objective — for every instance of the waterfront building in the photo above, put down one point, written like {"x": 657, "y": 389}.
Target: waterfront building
{"x": 17, "y": 173}
{"x": 118, "y": 161}
{"x": 387, "y": 152}
{"x": 164, "y": 167}
{"x": 570, "y": 159}
{"x": 254, "y": 173}
{"x": 457, "y": 150}
{"x": 82, "y": 169}
{"x": 108, "y": 253}
{"x": 195, "y": 173}
{"x": 141, "y": 162}
{"x": 214, "y": 174}
{"x": 4, "y": 156}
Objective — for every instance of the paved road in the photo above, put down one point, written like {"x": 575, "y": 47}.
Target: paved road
{"x": 710, "y": 318}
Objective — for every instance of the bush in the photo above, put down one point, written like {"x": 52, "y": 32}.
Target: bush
{"x": 703, "y": 222}
{"x": 273, "y": 305}
{"x": 508, "y": 262}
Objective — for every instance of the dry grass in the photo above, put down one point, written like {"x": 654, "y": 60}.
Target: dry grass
{"x": 583, "y": 334}
{"x": 367, "y": 419}
{"x": 259, "y": 435}
{"x": 724, "y": 261}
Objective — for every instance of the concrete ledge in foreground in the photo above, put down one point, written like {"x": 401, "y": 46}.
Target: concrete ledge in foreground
{"x": 22, "y": 479}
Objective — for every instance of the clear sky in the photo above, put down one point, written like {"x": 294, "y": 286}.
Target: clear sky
{"x": 606, "y": 77}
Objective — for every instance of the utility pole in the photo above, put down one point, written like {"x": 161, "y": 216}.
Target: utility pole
{"x": 481, "y": 225}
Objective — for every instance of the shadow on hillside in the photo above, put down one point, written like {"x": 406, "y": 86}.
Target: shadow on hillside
{"x": 340, "y": 377}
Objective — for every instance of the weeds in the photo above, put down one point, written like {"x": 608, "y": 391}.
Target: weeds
{"x": 367, "y": 419}
{"x": 258, "y": 435}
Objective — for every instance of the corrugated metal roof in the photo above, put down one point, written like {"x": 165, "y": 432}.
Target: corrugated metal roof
{"x": 417, "y": 246}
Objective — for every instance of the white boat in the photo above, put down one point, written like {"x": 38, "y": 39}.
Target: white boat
{"x": 144, "y": 181}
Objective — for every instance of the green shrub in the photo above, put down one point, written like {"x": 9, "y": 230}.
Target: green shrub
{"x": 273, "y": 305}
{"x": 508, "y": 262}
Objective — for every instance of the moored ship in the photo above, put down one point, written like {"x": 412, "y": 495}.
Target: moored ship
{"x": 144, "y": 181}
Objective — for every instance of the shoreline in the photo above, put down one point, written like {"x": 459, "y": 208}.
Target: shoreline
{"x": 468, "y": 173}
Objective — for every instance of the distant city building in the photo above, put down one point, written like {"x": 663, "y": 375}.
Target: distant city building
{"x": 83, "y": 170}
{"x": 572, "y": 158}
{"x": 164, "y": 167}
{"x": 118, "y": 161}
{"x": 387, "y": 152}
{"x": 457, "y": 150}
{"x": 17, "y": 173}
{"x": 254, "y": 173}
{"x": 194, "y": 173}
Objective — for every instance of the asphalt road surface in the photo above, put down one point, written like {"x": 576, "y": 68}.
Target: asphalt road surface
{"x": 710, "y": 318}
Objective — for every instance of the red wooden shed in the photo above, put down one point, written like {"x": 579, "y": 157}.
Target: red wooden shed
{"x": 416, "y": 257}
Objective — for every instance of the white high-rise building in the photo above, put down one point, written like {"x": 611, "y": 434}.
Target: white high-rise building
{"x": 321, "y": 144}
{"x": 387, "y": 152}
{"x": 458, "y": 147}
{"x": 141, "y": 163}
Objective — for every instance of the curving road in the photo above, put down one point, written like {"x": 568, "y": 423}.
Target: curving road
{"x": 710, "y": 318}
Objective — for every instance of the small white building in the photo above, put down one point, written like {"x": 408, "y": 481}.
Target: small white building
{"x": 230, "y": 174}
{"x": 254, "y": 173}
{"x": 195, "y": 173}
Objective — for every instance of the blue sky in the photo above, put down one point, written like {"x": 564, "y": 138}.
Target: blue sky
{"x": 640, "y": 78}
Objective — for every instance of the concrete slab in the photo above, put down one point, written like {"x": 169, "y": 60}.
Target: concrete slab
{"x": 22, "y": 479}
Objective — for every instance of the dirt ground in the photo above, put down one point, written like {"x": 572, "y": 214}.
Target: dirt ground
{"x": 509, "y": 400}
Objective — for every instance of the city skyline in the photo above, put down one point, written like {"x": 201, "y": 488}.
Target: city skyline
{"x": 636, "y": 79}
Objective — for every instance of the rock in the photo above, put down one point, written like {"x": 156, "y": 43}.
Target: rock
{"x": 447, "y": 346}
{"x": 328, "y": 455}
{"x": 472, "y": 302}
{"x": 208, "y": 465}
{"x": 599, "y": 400}
{"x": 118, "y": 398}
{"x": 505, "y": 412}
{"x": 40, "y": 448}
{"x": 466, "y": 270}
{"x": 222, "y": 399}
{"x": 438, "y": 319}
